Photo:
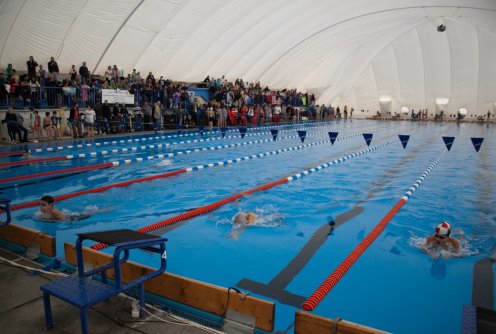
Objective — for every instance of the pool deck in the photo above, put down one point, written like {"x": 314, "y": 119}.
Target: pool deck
{"x": 22, "y": 311}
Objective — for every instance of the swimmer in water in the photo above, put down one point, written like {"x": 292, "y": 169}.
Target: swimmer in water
{"x": 442, "y": 241}
{"x": 240, "y": 222}
{"x": 25, "y": 154}
{"x": 49, "y": 213}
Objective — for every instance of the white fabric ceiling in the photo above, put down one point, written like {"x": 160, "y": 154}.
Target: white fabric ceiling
{"x": 346, "y": 52}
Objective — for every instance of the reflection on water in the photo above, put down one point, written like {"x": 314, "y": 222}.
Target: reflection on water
{"x": 438, "y": 268}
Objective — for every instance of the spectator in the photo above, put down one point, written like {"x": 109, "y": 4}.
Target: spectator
{"x": 107, "y": 116}
{"x": 90, "y": 116}
{"x": 73, "y": 73}
{"x": 53, "y": 69}
{"x": 109, "y": 74}
{"x": 76, "y": 120}
{"x": 147, "y": 115}
{"x": 36, "y": 124}
{"x": 137, "y": 118}
{"x": 47, "y": 125}
{"x": 84, "y": 72}
{"x": 115, "y": 73}
{"x": 9, "y": 72}
{"x": 3, "y": 90}
{"x": 55, "y": 125}
{"x": 157, "y": 111}
{"x": 32, "y": 65}
{"x": 99, "y": 123}
{"x": 20, "y": 126}
{"x": 41, "y": 75}
{"x": 12, "y": 125}
{"x": 51, "y": 92}
{"x": 134, "y": 76}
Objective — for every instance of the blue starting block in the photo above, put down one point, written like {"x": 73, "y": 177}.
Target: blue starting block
{"x": 5, "y": 206}
{"x": 83, "y": 292}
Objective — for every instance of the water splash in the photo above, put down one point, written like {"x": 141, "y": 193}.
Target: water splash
{"x": 466, "y": 248}
{"x": 163, "y": 163}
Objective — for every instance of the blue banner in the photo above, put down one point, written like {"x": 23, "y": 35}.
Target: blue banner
{"x": 242, "y": 131}
{"x": 477, "y": 142}
{"x": 367, "y": 137}
{"x": 333, "y": 136}
{"x": 404, "y": 140}
{"x": 223, "y": 132}
{"x": 179, "y": 128}
{"x": 448, "y": 141}
{"x": 274, "y": 133}
{"x": 302, "y": 135}
{"x": 200, "y": 129}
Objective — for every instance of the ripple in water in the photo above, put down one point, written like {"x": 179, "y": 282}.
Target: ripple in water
{"x": 466, "y": 248}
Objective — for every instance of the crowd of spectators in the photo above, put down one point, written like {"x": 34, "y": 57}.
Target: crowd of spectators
{"x": 159, "y": 101}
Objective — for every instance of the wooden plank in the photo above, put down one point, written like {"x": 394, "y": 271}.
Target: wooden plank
{"x": 204, "y": 296}
{"x": 26, "y": 237}
{"x": 306, "y": 323}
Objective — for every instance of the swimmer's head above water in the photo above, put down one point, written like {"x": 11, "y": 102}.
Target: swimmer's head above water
{"x": 443, "y": 230}
{"x": 244, "y": 218}
{"x": 241, "y": 218}
{"x": 45, "y": 201}
{"x": 50, "y": 213}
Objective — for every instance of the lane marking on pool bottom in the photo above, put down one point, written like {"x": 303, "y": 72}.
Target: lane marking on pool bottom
{"x": 214, "y": 206}
{"x": 165, "y": 175}
{"x": 152, "y": 138}
{"x": 348, "y": 262}
{"x": 136, "y": 160}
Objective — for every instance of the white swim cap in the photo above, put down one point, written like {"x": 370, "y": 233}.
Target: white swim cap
{"x": 240, "y": 218}
{"x": 443, "y": 230}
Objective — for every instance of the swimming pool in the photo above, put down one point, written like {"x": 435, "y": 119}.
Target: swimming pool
{"x": 394, "y": 286}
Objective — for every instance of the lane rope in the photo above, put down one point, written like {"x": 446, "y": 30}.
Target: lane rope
{"x": 213, "y": 206}
{"x": 140, "y": 159}
{"x": 164, "y": 175}
{"x": 11, "y": 153}
{"x": 340, "y": 271}
{"x": 116, "y": 151}
{"x": 153, "y": 138}
{"x": 9, "y": 164}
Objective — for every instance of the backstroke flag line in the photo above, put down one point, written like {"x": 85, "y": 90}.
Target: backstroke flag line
{"x": 404, "y": 140}
{"x": 302, "y": 135}
{"x": 333, "y": 136}
{"x": 448, "y": 141}
{"x": 367, "y": 137}
{"x": 477, "y": 142}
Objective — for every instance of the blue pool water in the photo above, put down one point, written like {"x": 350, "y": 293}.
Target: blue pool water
{"x": 394, "y": 286}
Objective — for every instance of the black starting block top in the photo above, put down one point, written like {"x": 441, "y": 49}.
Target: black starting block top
{"x": 114, "y": 237}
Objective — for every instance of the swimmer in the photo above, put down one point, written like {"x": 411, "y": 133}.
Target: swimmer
{"x": 442, "y": 241}
{"x": 49, "y": 213}
{"x": 245, "y": 218}
{"x": 25, "y": 154}
{"x": 240, "y": 222}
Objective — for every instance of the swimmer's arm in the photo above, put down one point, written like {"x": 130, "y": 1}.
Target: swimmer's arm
{"x": 57, "y": 215}
{"x": 429, "y": 248}
{"x": 455, "y": 245}
{"x": 430, "y": 241}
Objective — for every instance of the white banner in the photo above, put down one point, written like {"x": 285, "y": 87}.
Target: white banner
{"x": 117, "y": 96}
